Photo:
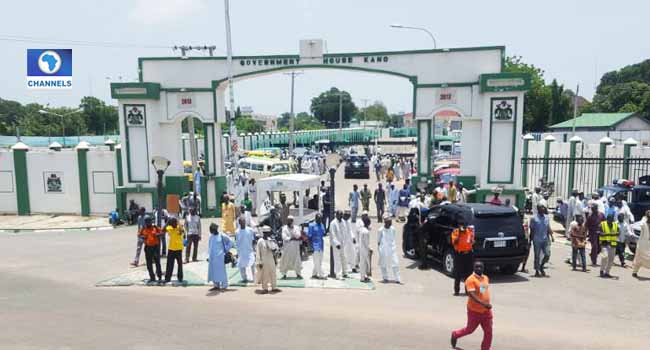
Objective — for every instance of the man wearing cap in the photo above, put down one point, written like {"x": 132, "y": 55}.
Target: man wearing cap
{"x": 316, "y": 232}
{"x": 535, "y": 198}
{"x": 365, "y": 198}
{"x": 291, "y": 249}
{"x": 284, "y": 209}
{"x": 388, "y": 250}
{"x": 540, "y": 232}
{"x": 350, "y": 245}
{"x": 353, "y": 201}
{"x": 337, "y": 239}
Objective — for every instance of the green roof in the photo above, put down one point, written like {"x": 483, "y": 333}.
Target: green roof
{"x": 594, "y": 120}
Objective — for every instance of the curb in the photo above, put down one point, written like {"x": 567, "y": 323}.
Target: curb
{"x": 21, "y": 230}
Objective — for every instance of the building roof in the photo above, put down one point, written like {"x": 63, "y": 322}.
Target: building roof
{"x": 594, "y": 120}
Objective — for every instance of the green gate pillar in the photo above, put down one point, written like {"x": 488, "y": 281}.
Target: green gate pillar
{"x": 604, "y": 142}
{"x": 572, "y": 163}
{"x": 524, "y": 156}
{"x": 627, "y": 149}
{"x": 425, "y": 152}
{"x": 226, "y": 138}
{"x": 242, "y": 137}
{"x": 547, "y": 150}
{"x": 82, "y": 162}
{"x": 20, "y": 175}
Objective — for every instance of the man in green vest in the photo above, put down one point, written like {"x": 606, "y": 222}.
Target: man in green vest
{"x": 607, "y": 239}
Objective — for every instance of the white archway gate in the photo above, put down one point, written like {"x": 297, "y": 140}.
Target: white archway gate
{"x": 467, "y": 80}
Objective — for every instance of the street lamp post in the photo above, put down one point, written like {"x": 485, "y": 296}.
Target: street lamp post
{"x": 42, "y": 111}
{"x": 399, "y": 26}
{"x": 435, "y": 46}
{"x": 292, "y": 117}
{"x": 160, "y": 164}
{"x": 332, "y": 207}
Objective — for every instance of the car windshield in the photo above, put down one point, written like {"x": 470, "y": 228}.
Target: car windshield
{"x": 506, "y": 223}
{"x": 643, "y": 196}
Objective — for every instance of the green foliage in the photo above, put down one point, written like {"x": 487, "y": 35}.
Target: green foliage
{"x": 94, "y": 118}
{"x": 376, "y": 111}
{"x": 303, "y": 121}
{"x": 625, "y": 90}
{"x": 246, "y": 124}
{"x": 306, "y": 121}
{"x": 544, "y": 104}
{"x": 325, "y": 107}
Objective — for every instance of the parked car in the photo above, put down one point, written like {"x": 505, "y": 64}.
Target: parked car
{"x": 357, "y": 165}
{"x": 499, "y": 232}
{"x": 636, "y": 196}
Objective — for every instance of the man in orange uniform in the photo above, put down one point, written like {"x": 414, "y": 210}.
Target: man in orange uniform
{"x": 150, "y": 233}
{"x": 462, "y": 239}
{"x": 479, "y": 309}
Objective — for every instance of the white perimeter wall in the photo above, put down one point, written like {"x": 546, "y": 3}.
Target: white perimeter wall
{"x": 102, "y": 180}
{"x": 8, "y": 202}
{"x": 65, "y": 165}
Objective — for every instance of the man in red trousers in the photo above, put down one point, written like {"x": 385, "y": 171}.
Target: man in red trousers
{"x": 479, "y": 309}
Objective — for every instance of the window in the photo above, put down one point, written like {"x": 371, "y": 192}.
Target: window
{"x": 257, "y": 167}
{"x": 280, "y": 168}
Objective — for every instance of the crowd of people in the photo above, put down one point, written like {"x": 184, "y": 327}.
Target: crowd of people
{"x": 604, "y": 223}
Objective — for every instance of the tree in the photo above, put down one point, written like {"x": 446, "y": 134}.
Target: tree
{"x": 247, "y": 124}
{"x": 376, "y": 111}
{"x": 537, "y": 104}
{"x": 561, "y": 103}
{"x": 325, "y": 107}
{"x": 306, "y": 121}
{"x": 544, "y": 105}
{"x": 100, "y": 118}
{"x": 283, "y": 121}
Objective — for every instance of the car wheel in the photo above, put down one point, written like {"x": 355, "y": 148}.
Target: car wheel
{"x": 509, "y": 269}
{"x": 448, "y": 262}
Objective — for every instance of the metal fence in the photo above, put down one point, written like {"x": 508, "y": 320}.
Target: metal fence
{"x": 588, "y": 173}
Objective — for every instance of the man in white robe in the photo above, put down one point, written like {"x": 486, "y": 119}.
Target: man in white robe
{"x": 363, "y": 238}
{"x": 642, "y": 254}
{"x": 291, "y": 249}
{"x": 245, "y": 251}
{"x": 349, "y": 246}
{"x": 388, "y": 251}
{"x": 265, "y": 249}
{"x": 337, "y": 239}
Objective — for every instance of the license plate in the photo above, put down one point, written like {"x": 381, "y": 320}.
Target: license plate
{"x": 499, "y": 244}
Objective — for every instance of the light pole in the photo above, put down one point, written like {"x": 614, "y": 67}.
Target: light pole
{"x": 332, "y": 196}
{"x": 435, "y": 46}
{"x": 399, "y": 26}
{"x": 292, "y": 117}
{"x": 42, "y": 111}
{"x": 233, "y": 127}
{"x": 340, "y": 116}
{"x": 160, "y": 164}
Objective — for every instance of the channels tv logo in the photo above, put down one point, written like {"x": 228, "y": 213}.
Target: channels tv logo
{"x": 49, "y": 69}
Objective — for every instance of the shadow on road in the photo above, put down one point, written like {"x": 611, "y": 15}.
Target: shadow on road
{"x": 214, "y": 291}
{"x": 496, "y": 278}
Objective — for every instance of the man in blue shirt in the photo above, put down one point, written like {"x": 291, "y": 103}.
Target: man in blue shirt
{"x": 315, "y": 232}
{"x": 353, "y": 201}
{"x": 540, "y": 232}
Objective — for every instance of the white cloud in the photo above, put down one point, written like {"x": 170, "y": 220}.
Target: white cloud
{"x": 162, "y": 11}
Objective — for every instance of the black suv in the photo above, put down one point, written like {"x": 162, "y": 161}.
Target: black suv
{"x": 499, "y": 232}
{"x": 357, "y": 165}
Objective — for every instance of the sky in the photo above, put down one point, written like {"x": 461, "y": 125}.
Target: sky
{"x": 573, "y": 41}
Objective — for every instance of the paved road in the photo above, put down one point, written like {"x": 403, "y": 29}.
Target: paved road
{"x": 48, "y": 301}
